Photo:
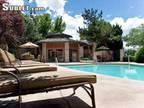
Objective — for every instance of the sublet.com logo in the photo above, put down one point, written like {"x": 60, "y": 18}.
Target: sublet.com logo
{"x": 8, "y": 7}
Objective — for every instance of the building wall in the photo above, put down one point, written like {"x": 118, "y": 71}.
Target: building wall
{"x": 72, "y": 51}
{"x": 52, "y": 51}
{"x": 55, "y": 45}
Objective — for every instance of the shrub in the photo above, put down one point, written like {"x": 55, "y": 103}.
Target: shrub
{"x": 132, "y": 58}
{"x": 139, "y": 57}
{"x": 86, "y": 58}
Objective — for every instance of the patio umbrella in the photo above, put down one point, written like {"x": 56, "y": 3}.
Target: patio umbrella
{"x": 29, "y": 45}
{"x": 102, "y": 48}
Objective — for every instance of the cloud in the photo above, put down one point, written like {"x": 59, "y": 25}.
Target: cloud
{"x": 128, "y": 24}
{"x": 54, "y": 5}
{"x": 72, "y": 24}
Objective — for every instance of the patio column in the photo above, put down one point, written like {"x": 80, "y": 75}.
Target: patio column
{"x": 44, "y": 52}
{"x": 81, "y": 51}
{"x": 67, "y": 52}
{"x": 121, "y": 54}
{"x": 94, "y": 52}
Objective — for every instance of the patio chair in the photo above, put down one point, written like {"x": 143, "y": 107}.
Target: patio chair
{"x": 9, "y": 63}
{"x": 23, "y": 84}
{"x": 7, "y": 59}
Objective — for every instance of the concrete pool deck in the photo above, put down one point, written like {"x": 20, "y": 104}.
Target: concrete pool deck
{"x": 110, "y": 92}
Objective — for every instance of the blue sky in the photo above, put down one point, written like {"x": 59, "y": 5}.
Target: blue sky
{"x": 127, "y": 13}
{"x": 110, "y": 8}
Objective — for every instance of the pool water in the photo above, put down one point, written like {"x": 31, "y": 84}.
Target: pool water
{"x": 122, "y": 71}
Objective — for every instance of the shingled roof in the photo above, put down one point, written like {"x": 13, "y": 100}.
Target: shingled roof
{"x": 61, "y": 37}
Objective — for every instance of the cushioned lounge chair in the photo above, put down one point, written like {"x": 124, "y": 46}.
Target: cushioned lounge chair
{"x": 7, "y": 59}
{"x": 10, "y": 64}
{"x": 23, "y": 84}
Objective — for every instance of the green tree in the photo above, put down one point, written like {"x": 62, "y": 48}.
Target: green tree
{"x": 101, "y": 32}
{"x": 115, "y": 40}
{"x": 37, "y": 27}
{"x": 96, "y": 29}
{"x": 31, "y": 29}
{"x": 91, "y": 31}
{"x": 58, "y": 25}
{"x": 135, "y": 37}
{"x": 45, "y": 24}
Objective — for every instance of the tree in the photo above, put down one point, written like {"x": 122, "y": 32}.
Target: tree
{"x": 115, "y": 40}
{"x": 96, "y": 29}
{"x": 58, "y": 25}
{"x": 31, "y": 29}
{"x": 45, "y": 24}
{"x": 11, "y": 27}
{"x": 99, "y": 31}
{"x": 135, "y": 37}
{"x": 37, "y": 27}
{"x": 91, "y": 31}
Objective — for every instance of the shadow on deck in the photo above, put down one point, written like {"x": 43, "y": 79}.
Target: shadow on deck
{"x": 67, "y": 102}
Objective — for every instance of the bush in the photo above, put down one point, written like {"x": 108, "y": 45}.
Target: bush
{"x": 27, "y": 56}
{"x": 132, "y": 58}
{"x": 139, "y": 57}
{"x": 86, "y": 58}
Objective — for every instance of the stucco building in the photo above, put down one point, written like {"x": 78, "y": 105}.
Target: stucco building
{"x": 64, "y": 48}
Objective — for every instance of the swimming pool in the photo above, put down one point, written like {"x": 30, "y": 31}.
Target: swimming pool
{"x": 123, "y": 71}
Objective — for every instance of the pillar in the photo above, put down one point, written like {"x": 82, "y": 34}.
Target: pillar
{"x": 67, "y": 52}
{"x": 81, "y": 52}
{"x": 94, "y": 52}
{"x": 44, "y": 52}
{"x": 121, "y": 54}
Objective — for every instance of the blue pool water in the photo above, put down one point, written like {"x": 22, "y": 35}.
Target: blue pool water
{"x": 122, "y": 71}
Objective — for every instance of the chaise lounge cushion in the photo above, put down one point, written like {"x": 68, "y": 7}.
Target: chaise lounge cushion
{"x": 32, "y": 69}
{"x": 44, "y": 80}
{"x": 7, "y": 57}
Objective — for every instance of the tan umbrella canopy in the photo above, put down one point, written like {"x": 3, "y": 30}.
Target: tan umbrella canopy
{"x": 29, "y": 45}
{"x": 103, "y": 48}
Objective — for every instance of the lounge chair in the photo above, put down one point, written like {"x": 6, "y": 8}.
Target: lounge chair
{"x": 10, "y": 64}
{"x": 7, "y": 59}
{"x": 23, "y": 84}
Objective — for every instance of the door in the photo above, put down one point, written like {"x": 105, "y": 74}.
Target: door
{"x": 51, "y": 55}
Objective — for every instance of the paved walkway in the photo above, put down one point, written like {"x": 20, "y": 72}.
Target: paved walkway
{"x": 110, "y": 93}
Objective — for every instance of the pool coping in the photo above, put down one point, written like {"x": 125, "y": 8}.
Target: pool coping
{"x": 115, "y": 63}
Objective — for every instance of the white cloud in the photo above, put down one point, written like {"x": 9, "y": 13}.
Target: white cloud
{"x": 15, "y": 2}
{"x": 72, "y": 24}
{"x": 54, "y": 5}
{"x": 128, "y": 24}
